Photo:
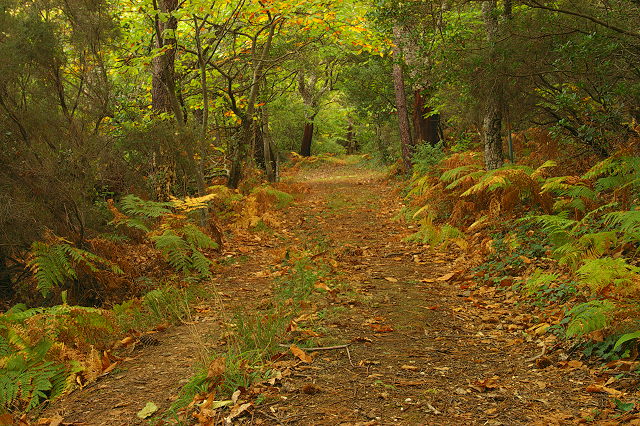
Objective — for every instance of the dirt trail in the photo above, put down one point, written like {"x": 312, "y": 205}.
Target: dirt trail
{"x": 423, "y": 350}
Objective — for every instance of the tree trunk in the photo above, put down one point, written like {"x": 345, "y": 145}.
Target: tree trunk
{"x": 270, "y": 160}
{"x": 425, "y": 123}
{"x": 401, "y": 102}
{"x": 307, "y": 139}
{"x": 492, "y": 122}
{"x": 163, "y": 96}
{"x": 241, "y": 147}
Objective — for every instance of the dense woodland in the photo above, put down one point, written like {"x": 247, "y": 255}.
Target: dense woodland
{"x": 139, "y": 137}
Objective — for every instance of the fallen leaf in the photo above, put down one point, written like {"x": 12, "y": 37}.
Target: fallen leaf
{"x": 447, "y": 277}
{"x": 148, "y": 410}
{"x": 236, "y": 411}
{"x": 322, "y": 286}
{"x": 311, "y": 389}
{"x": 53, "y": 421}
{"x": 127, "y": 340}
{"x": 486, "y": 384}
{"x": 219, "y": 404}
{"x": 300, "y": 354}
{"x": 235, "y": 396}
{"x": 216, "y": 370}
{"x": 391, "y": 279}
{"x": 362, "y": 339}
{"x": 595, "y": 388}
{"x": 409, "y": 367}
{"x": 381, "y": 328}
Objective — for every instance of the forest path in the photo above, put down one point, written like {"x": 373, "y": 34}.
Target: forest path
{"x": 423, "y": 349}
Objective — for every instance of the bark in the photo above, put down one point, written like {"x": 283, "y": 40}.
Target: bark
{"x": 307, "y": 139}
{"x": 425, "y": 124}
{"x": 241, "y": 147}
{"x": 270, "y": 160}
{"x": 163, "y": 82}
{"x": 401, "y": 102}
{"x": 492, "y": 122}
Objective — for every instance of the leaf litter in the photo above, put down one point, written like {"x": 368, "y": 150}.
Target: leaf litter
{"x": 428, "y": 345}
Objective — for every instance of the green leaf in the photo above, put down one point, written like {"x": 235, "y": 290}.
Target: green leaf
{"x": 625, "y": 338}
{"x": 148, "y": 410}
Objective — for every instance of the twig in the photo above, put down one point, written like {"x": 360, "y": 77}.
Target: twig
{"x": 544, "y": 351}
{"x": 349, "y": 356}
{"x": 321, "y": 348}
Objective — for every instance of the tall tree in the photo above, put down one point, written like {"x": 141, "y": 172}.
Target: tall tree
{"x": 492, "y": 121}
{"x": 401, "y": 100}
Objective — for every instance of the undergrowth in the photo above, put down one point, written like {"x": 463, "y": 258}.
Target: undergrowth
{"x": 567, "y": 241}
{"x": 45, "y": 351}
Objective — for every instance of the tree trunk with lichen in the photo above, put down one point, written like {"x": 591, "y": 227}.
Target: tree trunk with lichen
{"x": 492, "y": 121}
{"x": 401, "y": 102}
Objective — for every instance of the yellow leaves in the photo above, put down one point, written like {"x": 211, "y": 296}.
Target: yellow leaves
{"x": 190, "y": 204}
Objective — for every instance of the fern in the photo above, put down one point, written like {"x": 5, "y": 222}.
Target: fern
{"x": 538, "y": 280}
{"x": 455, "y": 174}
{"x": 627, "y": 222}
{"x": 196, "y": 238}
{"x": 183, "y": 251}
{"x": 54, "y": 263}
{"x": 27, "y": 379}
{"x": 136, "y": 206}
{"x": 588, "y": 317}
{"x": 599, "y": 273}
{"x": 175, "y": 248}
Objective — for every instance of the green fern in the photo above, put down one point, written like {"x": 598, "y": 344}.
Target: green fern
{"x": 27, "y": 379}
{"x": 175, "y": 249}
{"x": 599, "y": 273}
{"x": 54, "y": 263}
{"x": 462, "y": 171}
{"x": 136, "y": 206}
{"x": 588, "y": 317}
{"x": 539, "y": 279}
{"x": 182, "y": 248}
{"x": 196, "y": 238}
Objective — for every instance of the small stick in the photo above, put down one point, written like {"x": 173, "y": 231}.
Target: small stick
{"x": 349, "y": 356}
{"x": 544, "y": 351}
{"x": 322, "y": 348}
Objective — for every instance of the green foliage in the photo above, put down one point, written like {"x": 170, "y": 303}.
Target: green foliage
{"x": 299, "y": 284}
{"x": 182, "y": 247}
{"x": 426, "y": 157}
{"x": 599, "y": 273}
{"x": 168, "y": 304}
{"x": 55, "y": 263}
{"x": 588, "y": 317}
{"x": 283, "y": 200}
{"x": 538, "y": 280}
{"x": 26, "y": 379}
{"x": 436, "y": 236}
{"x": 136, "y": 206}
{"x": 28, "y": 375}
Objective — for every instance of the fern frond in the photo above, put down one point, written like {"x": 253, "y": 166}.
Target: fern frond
{"x": 627, "y": 222}
{"x": 539, "y": 172}
{"x": 200, "y": 263}
{"x": 174, "y": 248}
{"x": 454, "y": 174}
{"x": 588, "y": 317}
{"x": 50, "y": 265}
{"x": 197, "y": 238}
{"x": 599, "y": 273}
{"x": 136, "y": 206}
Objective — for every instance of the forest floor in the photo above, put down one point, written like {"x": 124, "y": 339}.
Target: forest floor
{"x": 423, "y": 348}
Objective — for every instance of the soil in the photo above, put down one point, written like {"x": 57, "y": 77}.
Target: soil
{"x": 424, "y": 346}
